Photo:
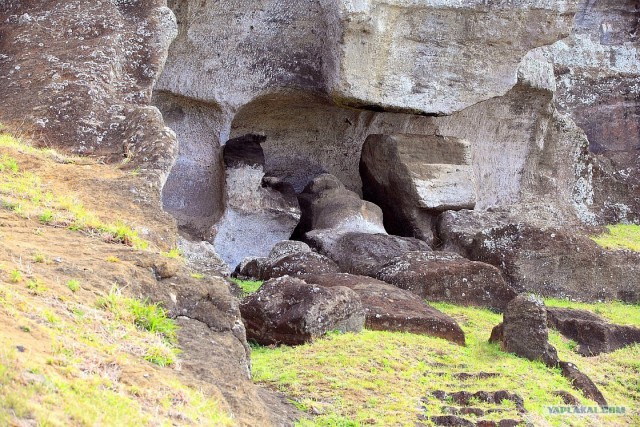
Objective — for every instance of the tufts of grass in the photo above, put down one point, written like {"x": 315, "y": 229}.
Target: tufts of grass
{"x": 25, "y": 194}
{"x": 36, "y": 286}
{"x": 15, "y": 276}
{"x": 248, "y": 287}
{"x": 174, "y": 253}
{"x": 112, "y": 258}
{"x": 620, "y": 236}
{"x": 73, "y": 285}
{"x": 148, "y": 317}
{"x": 198, "y": 276}
{"x": 379, "y": 378}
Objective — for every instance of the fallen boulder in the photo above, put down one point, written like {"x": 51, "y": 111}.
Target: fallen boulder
{"x": 593, "y": 334}
{"x": 444, "y": 276}
{"x": 362, "y": 253}
{"x": 524, "y": 330}
{"x": 289, "y": 311}
{"x": 388, "y": 308}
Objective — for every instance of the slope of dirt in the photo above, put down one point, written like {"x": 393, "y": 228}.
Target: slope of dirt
{"x": 69, "y": 358}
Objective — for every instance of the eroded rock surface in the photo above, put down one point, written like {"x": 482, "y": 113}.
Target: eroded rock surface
{"x": 260, "y": 212}
{"x": 88, "y": 69}
{"x": 327, "y": 205}
{"x": 574, "y": 266}
{"x": 445, "y": 276}
{"x": 415, "y": 177}
{"x": 388, "y": 308}
{"x": 289, "y": 311}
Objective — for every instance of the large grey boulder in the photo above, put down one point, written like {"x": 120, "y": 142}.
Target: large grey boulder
{"x": 448, "y": 277}
{"x": 415, "y": 177}
{"x": 463, "y": 52}
{"x": 388, "y": 308}
{"x": 289, "y": 311}
{"x": 259, "y": 212}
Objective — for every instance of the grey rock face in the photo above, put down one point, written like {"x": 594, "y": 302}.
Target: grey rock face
{"x": 257, "y": 215}
{"x": 445, "y": 276}
{"x": 597, "y": 70}
{"x": 388, "y": 308}
{"x": 414, "y": 177}
{"x": 289, "y": 311}
{"x": 463, "y": 52}
{"x": 89, "y": 69}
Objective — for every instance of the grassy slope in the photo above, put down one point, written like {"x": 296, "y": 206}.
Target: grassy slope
{"x": 378, "y": 378}
{"x": 620, "y": 236}
{"x": 72, "y": 353}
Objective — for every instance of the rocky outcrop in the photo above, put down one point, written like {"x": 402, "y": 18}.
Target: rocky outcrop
{"x": 574, "y": 266}
{"x": 388, "y": 308}
{"x": 415, "y": 177}
{"x": 462, "y": 52}
{"x": 362, "y": 253}
{"x": 593, "y": 334}
{"x": 289, "y": 311}
{"x": 260, "y": 212}
{"x": 444, "y": 276}
{"x": 81, "y": 74}
{"x": 597, "y": 70}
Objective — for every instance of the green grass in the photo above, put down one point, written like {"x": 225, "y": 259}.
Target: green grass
{"x": 147, "y": 317}
{"x": 174, "y": 253}
{"x": 25, "y": 194}
{"x": 73, "y": 285}
{"x": 620, "y": 236}
{"x": 378, "y": 378}
{"x": 248, "y": 287}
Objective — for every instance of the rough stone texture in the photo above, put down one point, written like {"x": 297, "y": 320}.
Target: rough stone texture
{"x": 326, "y": 204}
{"x": 597, "y": 69}
{"x": 388, "y": 308}
{"x": 299, "y": 264}
{"x": 574, "y": 266}
{"x": 259, "y": 214}
{"x": 582, "y": 383}
{"x": 289, "y": 311}
{"x": 309, "y": 135}
{"x": 414, "y": 177}
{"x": 593, "y": 334}
{"x": 194, "y": 191}
{"x": 525, "y": 331}
{"x": 462, "y": 52}
{"x": 81, "y": 73}
{"x": 255, "y": 268}
{"x": 517, "y": 142}
{"x": 362, "y": 253}
{"x": 445, "y": 276}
